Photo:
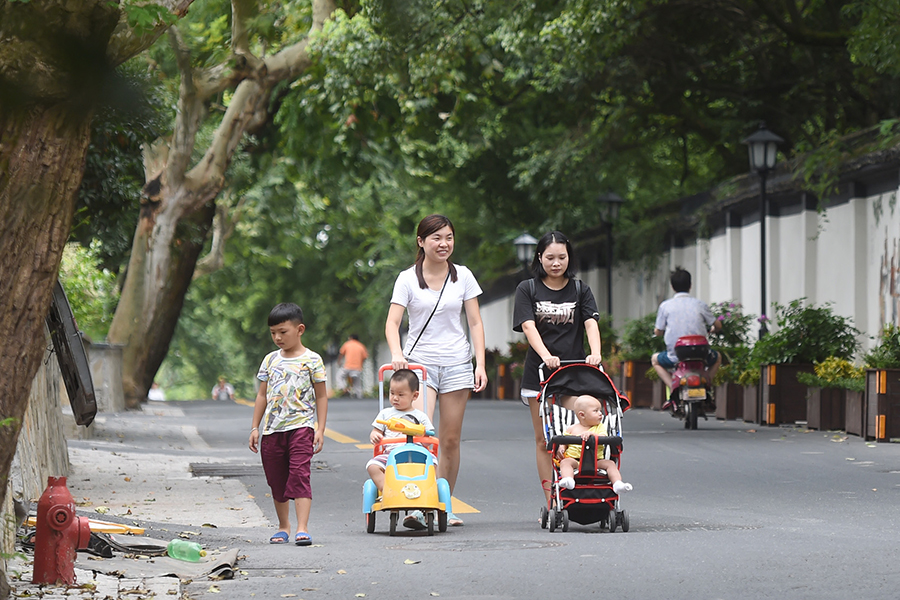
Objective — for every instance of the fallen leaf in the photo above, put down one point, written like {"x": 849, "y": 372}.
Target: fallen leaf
{"x": 209, "y": 525}
{"x": 409, "y": 561}
{"x": 310, "y": 589}
{"x": 214, "y": 589}
{"x": 289, "y": 595}
{"x": 874, "y": 489}
{"x": 848, "y": 458}
{"x": 185, "y": 534}
{"x": 102, "y": 509}
{"x": 128, "y": 479}
{"x": 360, "y": 595}
{"x": 434, "y": 594}
{"x": 341, "y": 572}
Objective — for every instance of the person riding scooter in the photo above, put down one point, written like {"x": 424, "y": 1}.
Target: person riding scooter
{"x": 679, "y": 316}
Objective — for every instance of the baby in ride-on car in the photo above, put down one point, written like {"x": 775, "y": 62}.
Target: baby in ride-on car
{"x": 589, "y": 412}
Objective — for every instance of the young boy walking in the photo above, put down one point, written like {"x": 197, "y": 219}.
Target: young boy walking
{"x": 290, "y": 413}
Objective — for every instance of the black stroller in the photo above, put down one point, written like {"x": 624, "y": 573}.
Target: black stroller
{"x": 592, "y": 500}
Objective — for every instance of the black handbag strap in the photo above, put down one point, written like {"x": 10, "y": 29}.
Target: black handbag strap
{"x": 434, "y": 310}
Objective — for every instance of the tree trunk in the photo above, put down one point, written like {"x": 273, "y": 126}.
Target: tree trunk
{"x": 42, "y": 152}
{"x": 163, "y": 257}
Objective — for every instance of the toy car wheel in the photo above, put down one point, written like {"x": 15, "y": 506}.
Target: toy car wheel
{"x": 565, "y": 520}
{"x": 370, "y": 522}
{"x": 429, "y": 522}
{"x": 544, "y": 516}
{"x": 625, "y": 524}
{"x": 442, "y": 521}
{"x": 395, "y": 516}
{"x": 552, "y": 520}
{"x": 612, "y": 521}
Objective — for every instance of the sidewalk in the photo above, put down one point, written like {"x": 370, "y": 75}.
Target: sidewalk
{"x": 136, "y": 471}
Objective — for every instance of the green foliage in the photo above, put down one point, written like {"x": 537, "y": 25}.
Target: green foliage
{"x": 835, "y": 373}
{"x": 109, "y": 197}
{"x": 806, "y": 334}
{"x": 91, "y": 290}
{"x": 638, "y": 341}
{"x": 145, "y": 17}
{"x": 886, "y": 354}
{"x": 609, "y": 339}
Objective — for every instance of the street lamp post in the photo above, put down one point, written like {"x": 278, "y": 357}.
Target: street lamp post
{"x": 763, "y": 147}
{"x": 609, "y": 212}
{"x": 525, "y": 245}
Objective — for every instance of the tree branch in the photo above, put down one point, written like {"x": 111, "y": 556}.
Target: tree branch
{"x": 190, "y": 112}
{"x": 249, "y": 99}
{"x": 126, "y": 42}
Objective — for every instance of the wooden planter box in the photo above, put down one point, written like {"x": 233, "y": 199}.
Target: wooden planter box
{"x": 783, "y": 397}
{"x": 825, "y": 408}
{"x": 751, "y": 404}
{"x": 658, "y": 396}
{"x": 854, "y": 412}
{"x": 635, "y": 386}
{"x": 729, "y": 401}
{"x": 882, "y": 405}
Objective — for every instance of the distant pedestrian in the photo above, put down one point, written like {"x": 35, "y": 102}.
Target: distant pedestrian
{"x": 223, "y": 390}
{"x": 156, "y": 393}
{"x": 291, "y": 408}
{"x": 355, "y": 354}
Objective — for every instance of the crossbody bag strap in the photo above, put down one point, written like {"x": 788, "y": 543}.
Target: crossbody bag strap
{"x": 434, "y": 310}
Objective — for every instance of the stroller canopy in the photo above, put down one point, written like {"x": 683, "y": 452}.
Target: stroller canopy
{"x": 581, "y": 378}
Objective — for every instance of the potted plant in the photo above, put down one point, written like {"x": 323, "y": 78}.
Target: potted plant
{"x": 882, "y": 392}
{"x": 827, "y": 392}
{"x": 732, "y": 341}
{"x": 638, "y": 344}
{"x": 805, "y": 335}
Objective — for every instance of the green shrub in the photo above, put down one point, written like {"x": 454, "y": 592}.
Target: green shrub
{"x": 735, "y": 326}
{"x": 806, "y": 334}
{"x": 835, "y": 372}
{"x": 638, "y": 341}
{"x": 886, "y": 355}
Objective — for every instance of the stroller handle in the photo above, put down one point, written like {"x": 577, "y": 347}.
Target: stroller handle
{"x": 563, "y": 363}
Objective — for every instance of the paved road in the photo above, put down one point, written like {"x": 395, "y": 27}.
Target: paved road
{"x": 729, "y": 511}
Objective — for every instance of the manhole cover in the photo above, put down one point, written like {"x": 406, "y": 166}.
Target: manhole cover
{"x": 240, "y": 470}
{"x": 502, "y": 545}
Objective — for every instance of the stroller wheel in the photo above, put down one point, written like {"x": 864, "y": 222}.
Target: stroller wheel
{"x": 565, "y": 520}
{"x": 612, "y": 521}
{"x": 552, "y": 520}
{"x": 625, "y": 524}
{"x": 545, "y": 514}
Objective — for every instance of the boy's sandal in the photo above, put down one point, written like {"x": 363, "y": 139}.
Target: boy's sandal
{"x": 302, "y": 539}
{"x": 279, "y": 538}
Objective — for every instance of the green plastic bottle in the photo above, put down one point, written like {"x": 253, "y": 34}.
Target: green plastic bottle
{"x": 185, "y": 550}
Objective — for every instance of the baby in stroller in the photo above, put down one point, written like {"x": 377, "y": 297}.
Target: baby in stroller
{"x": 587, "y": 443}
{"x": 589, "y": 413}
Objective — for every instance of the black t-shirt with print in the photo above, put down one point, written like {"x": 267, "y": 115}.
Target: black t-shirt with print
{"x": 559, "y": 317}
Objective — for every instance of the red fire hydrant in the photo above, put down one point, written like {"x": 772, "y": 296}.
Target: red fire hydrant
{"x": 59, "y": 534}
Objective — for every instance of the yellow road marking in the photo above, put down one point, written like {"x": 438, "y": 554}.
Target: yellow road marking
{"x": 339, "y": 437}
{"x": 365, "y": 446}
{"x": 461, "y": 507}
{"x": 245, "y": 402}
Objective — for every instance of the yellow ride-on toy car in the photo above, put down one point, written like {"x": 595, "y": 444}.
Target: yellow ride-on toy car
{"x": 410, "y": 481}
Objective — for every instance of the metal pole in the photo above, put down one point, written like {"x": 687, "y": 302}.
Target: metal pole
{"x": 609, "y": 263}
{"x": 763, "y": 330}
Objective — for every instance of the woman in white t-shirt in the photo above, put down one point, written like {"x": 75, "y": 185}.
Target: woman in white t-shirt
{"x": 435, "y": 292}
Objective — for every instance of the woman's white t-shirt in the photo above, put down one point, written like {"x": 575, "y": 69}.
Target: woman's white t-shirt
{"x": 444, "y": 342}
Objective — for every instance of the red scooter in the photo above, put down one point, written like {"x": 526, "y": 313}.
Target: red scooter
{"x": 691, "y": 384}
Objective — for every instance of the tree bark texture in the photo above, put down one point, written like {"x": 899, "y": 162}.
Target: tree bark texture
{"x": 42, "y": 152}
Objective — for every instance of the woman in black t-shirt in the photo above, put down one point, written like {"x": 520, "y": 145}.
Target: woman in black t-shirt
{"x": 554, "y": 311}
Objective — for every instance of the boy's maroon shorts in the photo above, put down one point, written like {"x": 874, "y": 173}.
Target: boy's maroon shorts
{"x": 286, "y": 458}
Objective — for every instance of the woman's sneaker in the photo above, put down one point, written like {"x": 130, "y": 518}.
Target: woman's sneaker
{"x": 415, "y": 520}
